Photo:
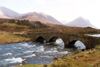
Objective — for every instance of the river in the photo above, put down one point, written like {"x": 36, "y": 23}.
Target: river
{"x": 31, "y": 53}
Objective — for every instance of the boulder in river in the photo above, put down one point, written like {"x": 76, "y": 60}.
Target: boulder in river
{"x": 23, "y": 62}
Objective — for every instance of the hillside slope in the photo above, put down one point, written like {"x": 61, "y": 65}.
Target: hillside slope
{"x": 8, "y": 13}
{"x": 34, "y": 16}
{"x": 80, "y": 22}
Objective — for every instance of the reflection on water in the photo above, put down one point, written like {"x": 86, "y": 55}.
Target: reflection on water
{"x": 94, "y": 35}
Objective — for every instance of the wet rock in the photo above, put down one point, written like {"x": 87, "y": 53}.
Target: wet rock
{"x": 90, "y": 53}
{"x": 45, "y": 65}
{"x": 23, "y": 62}
{"x": 83, "y": 49}
{"x": 55, "y": 58}
{"x": 34, "y": 52}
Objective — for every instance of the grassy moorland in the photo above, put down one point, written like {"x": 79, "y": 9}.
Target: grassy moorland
{"x": 88, "y": 58}
{"x": 6, "y": 38}
{"x": 11, "y": 32}
{"x": 12, "y": 25}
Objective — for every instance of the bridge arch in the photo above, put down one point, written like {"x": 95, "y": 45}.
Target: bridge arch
{"x": 53, "y": 39}
{"x": 71, "y": 43}
{"x": 77, "y": 43}
{"x": 40, "y": 39}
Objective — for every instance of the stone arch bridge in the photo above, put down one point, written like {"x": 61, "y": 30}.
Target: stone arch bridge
{"x": 68, "y": 39}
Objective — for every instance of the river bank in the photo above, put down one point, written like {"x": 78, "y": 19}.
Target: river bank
{"x": 8, "y": 38}
{"x": 87, "y": 58}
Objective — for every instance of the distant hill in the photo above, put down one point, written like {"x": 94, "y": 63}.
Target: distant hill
{"x": 80, "y": 22}
{"x": 35, "y": 16}
{"x": 8, "y": 13}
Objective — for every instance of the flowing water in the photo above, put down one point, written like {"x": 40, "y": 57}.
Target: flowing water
{"x": 31, "y": 53}
{"x": 94, "y": 35}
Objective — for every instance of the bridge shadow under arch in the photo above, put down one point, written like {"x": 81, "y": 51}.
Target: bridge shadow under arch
{"x": 57, "y": 40}
{"x": 77, "y": 44}
{"x": 71, "y": 44}
{"x": 40, "y": 39}
{"x": 53, "y": 39}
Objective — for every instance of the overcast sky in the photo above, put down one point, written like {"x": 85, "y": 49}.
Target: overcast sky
{"x": 60, "y": 9}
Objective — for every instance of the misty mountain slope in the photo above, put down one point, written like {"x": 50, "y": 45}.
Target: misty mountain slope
{"x": 2, "y": 15}
{"x": 64, "y": 22}
{"x": 8, "y": 13}
{"x": 80, "y": 22}
{"x": 35, "y": 16}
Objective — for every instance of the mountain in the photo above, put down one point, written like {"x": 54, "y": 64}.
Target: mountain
{"x": 32, "y": 16}
{"x": 8, "y": 13}
{"x": 35, "y": 16}
{"x": 80, "y": 22}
